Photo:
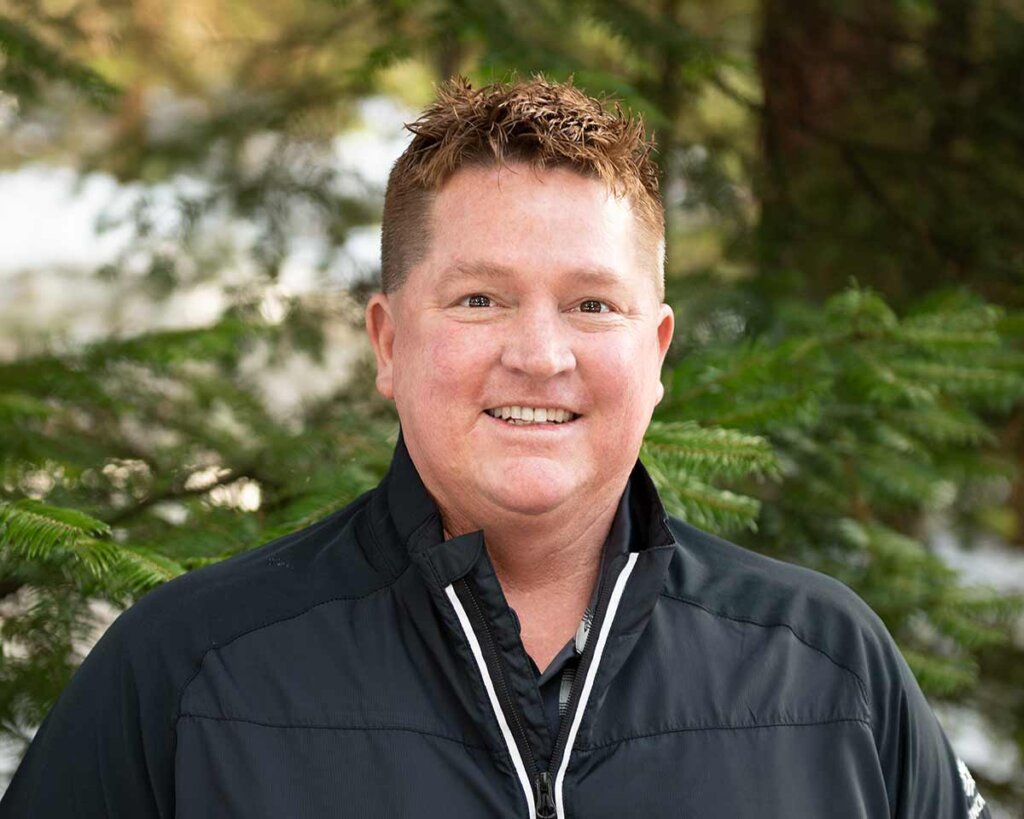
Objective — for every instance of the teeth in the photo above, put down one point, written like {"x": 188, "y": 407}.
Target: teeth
{"x": 532, "y": 415}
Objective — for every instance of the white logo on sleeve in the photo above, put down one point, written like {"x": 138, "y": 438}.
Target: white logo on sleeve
{"x": 970, "y": 790}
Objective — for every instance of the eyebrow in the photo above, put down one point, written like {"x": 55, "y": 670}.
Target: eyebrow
{"x": 475, "y": 270}
{"x": 594, "y": 275}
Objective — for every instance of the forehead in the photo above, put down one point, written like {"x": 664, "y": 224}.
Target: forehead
{"x": 517, "y": 194}
{"x": 521, "y": 218}
{"x": 482, "y": 270}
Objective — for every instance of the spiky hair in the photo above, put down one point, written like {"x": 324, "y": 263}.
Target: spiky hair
{"x": 543, "y": 123}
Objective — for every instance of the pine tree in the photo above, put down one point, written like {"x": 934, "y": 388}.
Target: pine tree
{"x": 833, "y": 439}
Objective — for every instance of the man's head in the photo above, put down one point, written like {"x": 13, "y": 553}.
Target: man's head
{"x": 536, "y": 122}
{"x": 532, "y": 283}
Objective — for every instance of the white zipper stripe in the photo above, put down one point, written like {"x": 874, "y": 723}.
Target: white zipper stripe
{"x": 513, "y": 749}
{"x": 588, "y": 683}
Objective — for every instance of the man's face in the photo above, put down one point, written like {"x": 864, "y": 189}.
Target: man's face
{"x": 536, "y": 294}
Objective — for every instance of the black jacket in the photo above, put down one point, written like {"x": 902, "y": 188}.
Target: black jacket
{"x": 365, "y": 667}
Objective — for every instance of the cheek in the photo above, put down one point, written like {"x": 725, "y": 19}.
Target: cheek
{"x": 623, "y": 378}
{"x": 440, "y": 362}
{"x": 455, "y": 355}
{"x": 616, "y": 367}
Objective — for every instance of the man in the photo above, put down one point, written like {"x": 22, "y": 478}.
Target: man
{"x": 509, "y": 625}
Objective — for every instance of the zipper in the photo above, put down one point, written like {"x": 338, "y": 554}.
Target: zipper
{"x": 543, "y": 788}
{"x": 514, "y": 748}
{"x": 579, "y": 694}
{"x": 497, "y": 665}
{"x": 546, "y": 806}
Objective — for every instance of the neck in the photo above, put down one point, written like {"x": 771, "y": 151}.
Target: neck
{"x": 548, "y": 555}
{"x": 547, "y": 564}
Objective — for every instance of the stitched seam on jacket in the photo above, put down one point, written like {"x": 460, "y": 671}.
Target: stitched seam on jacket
{"x": 295, "y": 616}
{"x": 315, "y": 727}
{"x": 753, "y": 726}
{"x": 417, "y": 533}
{"x": 381, "y": 550}
{"x": 860, "y": 681}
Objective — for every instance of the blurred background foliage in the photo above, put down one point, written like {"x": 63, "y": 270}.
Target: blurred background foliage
{"x": 844, "y": 186}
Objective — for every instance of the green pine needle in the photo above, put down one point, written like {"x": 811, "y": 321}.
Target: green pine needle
{"x": 35, "y": 529}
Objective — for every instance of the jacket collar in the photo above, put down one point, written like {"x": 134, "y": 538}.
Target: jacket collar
{"x": 414, "y": 512}
{"x": 407, "y": 527}
{"x": 407, "y": 523}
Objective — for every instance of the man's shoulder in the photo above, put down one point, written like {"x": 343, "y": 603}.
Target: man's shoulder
{"x": 785, "y": 602}
{"x": 736, "y": 583}
{"x": 209, "y": 606}
{"x": 724, "y": 572}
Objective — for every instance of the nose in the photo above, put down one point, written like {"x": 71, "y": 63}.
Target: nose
{"x": 538, "y": 344}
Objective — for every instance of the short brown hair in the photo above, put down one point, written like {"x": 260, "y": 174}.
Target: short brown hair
{"x": 543, "y": 123}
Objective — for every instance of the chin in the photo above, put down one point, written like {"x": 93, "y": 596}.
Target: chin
{"x": 533, "y": 491}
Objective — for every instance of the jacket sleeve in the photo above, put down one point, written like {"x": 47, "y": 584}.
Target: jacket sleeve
{"x": 106, "y": 748}
{"x": 924, "y": 776}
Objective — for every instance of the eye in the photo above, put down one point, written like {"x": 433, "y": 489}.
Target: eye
{"x": 594, "y": 306}
{"x": 476, "y": 300}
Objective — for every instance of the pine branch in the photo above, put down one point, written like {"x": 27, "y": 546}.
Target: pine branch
{"x": 685, "y": 446}
{"x": 67, "y": 538}
{"x": 36, "y": 530}
{"x": 701, "y": 504}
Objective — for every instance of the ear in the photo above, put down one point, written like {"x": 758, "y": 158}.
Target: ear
{"x": 666, "y": 326}
{"x": 380, "y": 327}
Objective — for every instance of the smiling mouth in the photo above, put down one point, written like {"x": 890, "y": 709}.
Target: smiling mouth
{"x": 525, "y": 416}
